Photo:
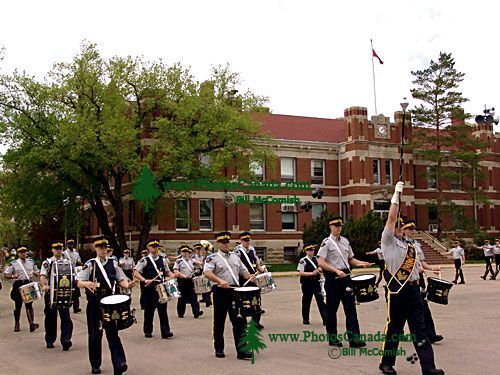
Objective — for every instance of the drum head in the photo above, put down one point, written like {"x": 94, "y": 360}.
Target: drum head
{"x": 363, "y": 277}
{"x": 246, "y": 289}
{"x": 115, "y": 299}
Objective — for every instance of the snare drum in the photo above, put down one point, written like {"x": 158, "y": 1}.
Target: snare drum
{"x": 168, "y": 290}
{"x": 364, "y": 288}
{"x": 247, "y": 300}
{"x": 201, "y": 285}
{"x": 30, "y": 292}
{"x": 116, "y": 312}
{"x": 265, "y": 282}
{"x": 438, "y": 290}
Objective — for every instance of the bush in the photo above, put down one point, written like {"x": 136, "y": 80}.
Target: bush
{"x": 363, "y": 233}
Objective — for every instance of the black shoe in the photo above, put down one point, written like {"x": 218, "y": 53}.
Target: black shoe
{"x": 148, "y": 335}
{"x": 454, "y": 281}
{"x": 220, "y": 354}
{"x": 492, "y": 278}
{"x": 436, "y": 371}
{"x": 121, "y": 369}
{"x": 17, "y": 328}
{"x": 50, "y": 346}
{"x": 259, "y": 326}
{"x": 180, "y": 316}
{"x": 483, "y": 277}
{"x": 306, "y": 322}
{"x": 96, "y": 370}
{"x": 436, "y": 338}
{"x": 34, "y": 326}
{"x": 66, "y": 346}
{"x": 167, "y": 336}
{"x": 386, "y": 369}
{"x": 336, "y": 343}
{"x": 262, "y": 312}
{"x": 462, "y": 282}
{"x": 76, "y": 311}
{"x": 357, "y": 344}
{"x": 196, "y": 316}
{"x": 244, "y": 355}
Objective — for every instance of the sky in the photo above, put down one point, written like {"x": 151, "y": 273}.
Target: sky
{"x": 311, "y": 58}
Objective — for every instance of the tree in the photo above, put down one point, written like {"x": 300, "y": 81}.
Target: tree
{"x": 251, "y": 340}
{"x": 435, "y": 137}
{"x": 80, "y": 130}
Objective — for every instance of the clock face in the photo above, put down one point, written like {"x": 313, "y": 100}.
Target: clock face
{"x": 382, "y": 129}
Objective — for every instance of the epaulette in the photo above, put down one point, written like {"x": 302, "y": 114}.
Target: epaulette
{"x": 46, "y": 263}
{"x": 142, "y": 260}
{"x": 210, "y": 257}
{"x": 323, "y": 243}
{"x": 302, "y": 261}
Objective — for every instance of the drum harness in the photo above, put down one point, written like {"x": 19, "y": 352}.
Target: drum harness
{"x": 156, "y": 268}
{"x": 230, "y": 269}
{"x": 348, "y": 288}
{"x": 247, "y": 258}
{"x": 105, "y": 275}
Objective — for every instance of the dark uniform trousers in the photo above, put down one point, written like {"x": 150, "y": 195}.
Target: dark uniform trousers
{"x": 186, "y": 287}
{"x": 335, "y": 293}
{"x": 309, "y": 289}
{"x": 405, "y": 306}
{"x": 381, "y": 266}
{"x": 489, "y": 268}
{"x": 151, "y": 304}
{"x": 430, "y": 329}
{"x": 51, "y": 323}
{"x": 76, "y": 299}
{"x": 15, "y": 295}
{"x": 224, "y": 304}
{"x": 497, "y": 263}
{"x": 458, "y": 270}
{"x": 94, "y": 317}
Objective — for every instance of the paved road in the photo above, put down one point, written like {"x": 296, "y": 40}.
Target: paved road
{"x": 469, "y": 324}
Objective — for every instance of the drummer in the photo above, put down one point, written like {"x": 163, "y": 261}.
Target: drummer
{"x": 198, "y": 261}
{"x": 100, "y": 279}
{"x": 310, "y": 284}
{"x": 151, "y": 270}
{"x": 336, "y": 257}
{"x": 409, "y": 231}
{"x": 127, "y": 264}
{"x": 22, "y": 270}
{"x": 184, "y": 271}
{"x": 51, "y": 313}
{"x": 72, "y": 254}
{"x": 251, "y": 261}
{"x": 224, "y": 268}
{"x": 381, "y": 263}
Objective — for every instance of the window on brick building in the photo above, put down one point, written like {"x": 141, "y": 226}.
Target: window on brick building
{"x": 288, "y": 217}
{"x": 381, "y": 207}
{"x": 317, "y": 172}
{"x": 432, "y": 217}
{"x": 205, "y": 214}
{"x": 290, "y": 253}
{"x": 257, "y": 216}
{"x": 287, "y": 169}
{"x": 376, "y": 171}
{"x": 181, "y": 214}
{"x": 431, "y": 177}
{"x": 261, "y": 253}
{"x": 257, "y": 169}
{"x": 456, "y": 182}
{"x": 317, "y": 209}
{"x": 343, "y": 210}
{"x": 388, "y": 172}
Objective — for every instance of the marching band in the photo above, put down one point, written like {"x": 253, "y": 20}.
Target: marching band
{"x": 233, "y": 282}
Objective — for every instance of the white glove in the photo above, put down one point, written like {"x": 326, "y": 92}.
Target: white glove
{"x": 398, "y": 191}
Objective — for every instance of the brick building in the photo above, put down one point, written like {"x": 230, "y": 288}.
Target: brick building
{"x": 354, "y": 160}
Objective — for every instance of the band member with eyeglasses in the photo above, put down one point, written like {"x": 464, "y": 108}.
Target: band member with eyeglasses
{"x": 310, "y": 276}
{"x": 22, "y": 271}
{"x": 151, "y": 270}
{"x": 404, "y": 300}
{"x": 100, "y": 280}
{"x": 336, "y": 257}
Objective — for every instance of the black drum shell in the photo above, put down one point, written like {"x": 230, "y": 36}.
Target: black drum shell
{"x": 248, "y": 302}
{"x": 364, "y": 290}
{"x": 437, "y": 291}
{"x": 119, "y": 315}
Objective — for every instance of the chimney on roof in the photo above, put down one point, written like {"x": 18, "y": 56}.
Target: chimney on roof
{"x": 356, "y": 120}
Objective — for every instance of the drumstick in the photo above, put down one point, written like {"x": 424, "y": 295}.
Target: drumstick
{"x": 255, "y": 274}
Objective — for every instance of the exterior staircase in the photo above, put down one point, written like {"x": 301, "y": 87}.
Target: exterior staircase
{"x": 434, "y": 251}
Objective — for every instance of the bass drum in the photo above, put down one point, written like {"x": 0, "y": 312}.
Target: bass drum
{"x": 116, "y": 312}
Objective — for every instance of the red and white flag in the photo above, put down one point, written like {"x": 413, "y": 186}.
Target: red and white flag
{"x": 374, "y": 54}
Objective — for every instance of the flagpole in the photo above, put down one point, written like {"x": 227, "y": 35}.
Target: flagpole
{"x": 374, "y": 87}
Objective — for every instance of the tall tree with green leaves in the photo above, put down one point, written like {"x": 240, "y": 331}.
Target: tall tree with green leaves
{"x": 90, "y": 126}
{"x": 435, "y": 135}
